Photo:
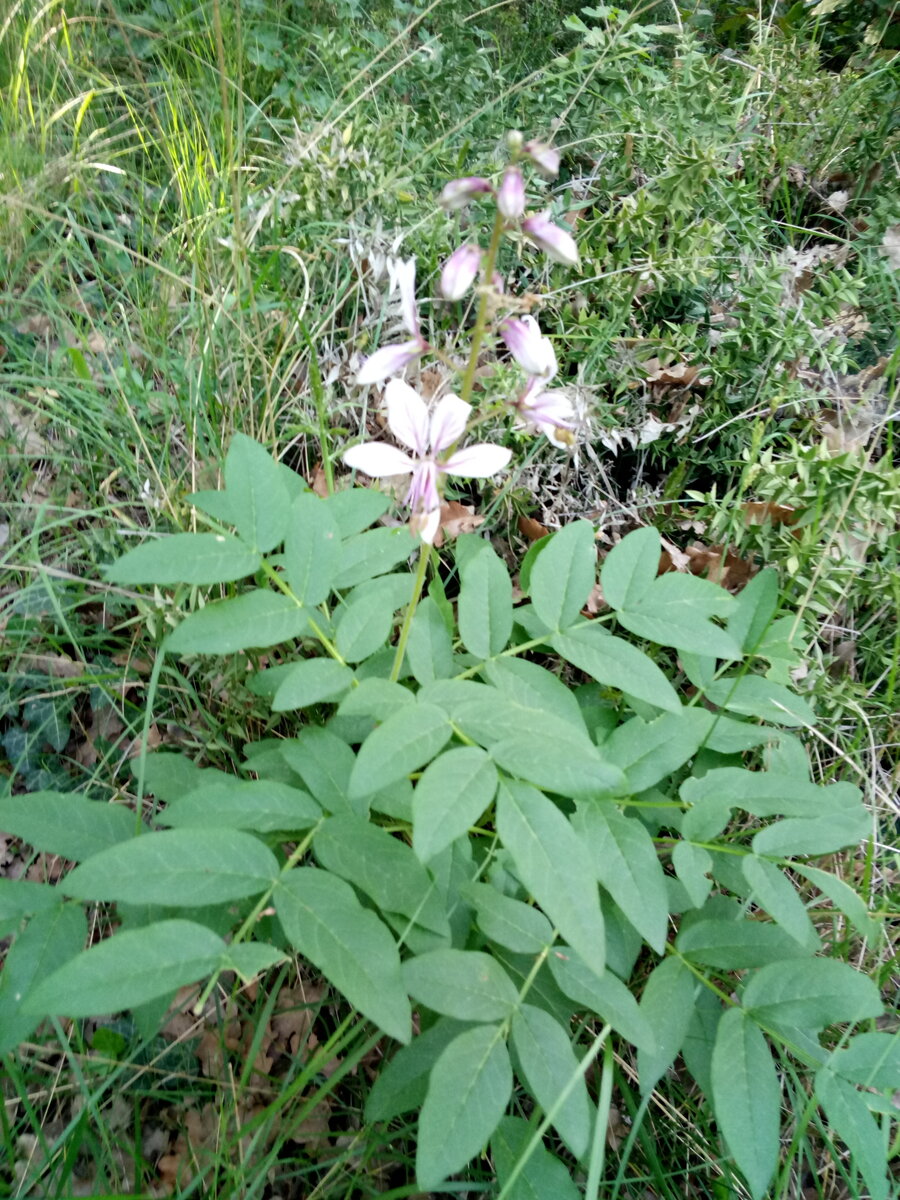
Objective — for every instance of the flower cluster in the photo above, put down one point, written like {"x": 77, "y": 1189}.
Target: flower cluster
{"x": 434, "y": 439}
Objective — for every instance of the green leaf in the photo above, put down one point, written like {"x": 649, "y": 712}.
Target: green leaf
{"x": 324, "y": 762}
{"x": 65, "y": 823}
{"x": 262, "y": 806}
{"x": 255, "y": 620}
{"x": 256, "y": 493}
{"x": 816, "y": 835}
{"x": 367, "y": 555}
{"x": 355, "y": 509}
{"x": 754, "y": 696}
{"x": 737, "y": 945}
{"x": 843, "y": 897}
{"x": 401, "y": 1086}
{"x": 773, "y": 891}
{"x": 754, "y": 609}
{"x": 22, "y": 898}
{"x": 508, "y": 922}
{"x": 129, "y": 968}
{"x": 747, "y": 1099}
{"x": 541, "y": 1177}
{"x": 364, "y": 624}
{"x": 548, "y": 1063}
{"x": 700, "y": 1041}
{"x": 177, "y": 866}
{"x": 429, "y": 650}
{"x": 484, "y": 609}
{"x": 630, "y": 568}
{"x": 570, "y": 766}
{"x": 648, "y": 751}
{"x": 383, "y": 867}
{"x": 195, "y": 558}
{"x": 534, "y": 689}
{"x": 405, "y": 742}
{"x": 466, "y": 984}
{"x": 616, "y": 663}
{"x": 676, "y": 611}
{"x": 469, "y": 1089}
{"x": 554, "y": 866}
{"x": 452, "y": 794}
{"x": 50, "y": 938}
{"x": 848, "y": 1115}
{"x": 869, "y": 1059}
{"x": 311, "y": 681}
{"x": 603, "y": 994}
{"x": 376, "y": 698}
{"x": 820, "y": 993}
{"x": 692, "y": 866}
{"x": 215, "y": 504}
{"x": 626, "y": 864}
{"x": 312, "y": 549}
{"x": 350, "y": 946}
{"x": 563, "y": 575}
{"x": 667, "y": 1005}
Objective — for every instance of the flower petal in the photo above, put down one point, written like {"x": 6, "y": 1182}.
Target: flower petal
{"x": 448, "y": 422}
{"x": 554, "y": 241}
{"x": 477, "y": 461}
{"x": 426, "y": 525}
{"x": 407, "y": 416}
{"x": 406, "y": 281}
{"x": 459, "y": 192}
{"x": 544, "y": 157}
{"x": 459, "y": 271}
{"x": 387, "y": 361}
{"x": 511, "y": 194}
{"x": 528, "y": 346}
{"x": 377, "y": 459}
{"x": 423, "y": 494}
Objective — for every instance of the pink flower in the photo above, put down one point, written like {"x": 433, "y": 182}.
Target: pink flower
{"x": 459, "y": 271}
{"x": 458, "y": 192}
{"x": 511, "y": 195}
{"x": 550, "y": 413}
{"x": 529, "y": 347}
{"x": 555, "y": 242}
{"x": 390, "y": 360}
{"x": 544, "y": 157}
{"x": 428, "y": 437}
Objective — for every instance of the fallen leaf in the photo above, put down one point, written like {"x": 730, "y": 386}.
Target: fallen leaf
{"x": 764, "y": 512}
{"x": 890, "y": 246}
{"x": 531, "y": 529}
{"x": 459, "y": 518}
{"x": 319, "y": 483}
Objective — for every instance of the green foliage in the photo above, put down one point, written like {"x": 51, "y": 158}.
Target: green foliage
{"x": 564, "y": 868}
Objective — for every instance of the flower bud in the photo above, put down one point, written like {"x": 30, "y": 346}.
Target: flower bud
{"x": 544, "y": 157}
{"x": 511, "y": 196}
{"x": 528, "y": 346}
{"x": 459, "y": 271}
{"x": 554, "y": 241}
{"x": 458, "y": 192}
{"x": 514, "y": 141}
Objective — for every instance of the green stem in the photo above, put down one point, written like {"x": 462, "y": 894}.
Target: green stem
{"x": 285, "y": 588}
{"x": 481, "y": 318}
{"x": 424, "y": 553}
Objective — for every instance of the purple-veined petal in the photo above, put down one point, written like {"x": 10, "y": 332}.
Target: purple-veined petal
{"x": 423, "y": 492}
{"x": 448, "y": 422}
{"x": 426, "y": 525}
{"x": 387, "y": 361}
{"x": 407, "y": 416}
{"x": 528, "y": 346}
{"x": 459, "y": 271}
{"x": 377, "y": 459}
{"x": 406, "y": 281}
{"x": 459, "y": 192}
{"x": 478, "y": 461}
{"x": 511, "y": 194}
{"x": 544, "y": 157}
{"x": 554, "y": 241}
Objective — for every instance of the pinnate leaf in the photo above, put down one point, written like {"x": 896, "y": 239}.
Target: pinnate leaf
{"x": 824, "y": 991}
{"x": 466, "y": 984}
{"x": 193, "y": 558}
{"x": 468, "y": 1092}
{"x": 263, "y": 806}
{"x": 311, "y": 681}
{"x": 849, "y": 1116}
{"x": 540, "y": 1176}
{"x": 49, "y": 940}
{"x": 254, "y": 620}
{"x": 452, "y": 794}
{"x": 128, "y": 969}
{"x": 350, "y": 946}
{"x": 548, "y": 1063}
{"x": 257, "y": 495}
{"x": 630, "y": 568}
{"x": 176, "y": 866}
{"x": 563, "y": 575}
{"x": 667, "y": 1005}
{"x": 746, "y": 1098}
{"x": 65, "y": 823}
{"x": 616, "y": 663}
{"x": 603, "y": 994}
{"x": 312, "y": 549}
{"x": 405, "y": 742}
{"x": 485, "y": 613}
{"x": 554, "y": 866}
{"x": 508, "y": 922}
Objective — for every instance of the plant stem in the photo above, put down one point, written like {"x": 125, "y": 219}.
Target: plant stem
{"x": 481, "y": 318}
{"x": 424, "y": 554}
